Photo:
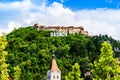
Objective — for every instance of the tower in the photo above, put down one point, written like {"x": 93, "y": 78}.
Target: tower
{"x": 54, "y": 73}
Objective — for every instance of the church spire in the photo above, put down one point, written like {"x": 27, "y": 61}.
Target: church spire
{"x": 54, "y": 73}
{"x": 54, "y": 66}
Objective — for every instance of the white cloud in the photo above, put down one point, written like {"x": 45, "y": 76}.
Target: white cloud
{"x": 99, "y": 21}
{"x": 16, "y": 5}
{"x": 12, "y": 25}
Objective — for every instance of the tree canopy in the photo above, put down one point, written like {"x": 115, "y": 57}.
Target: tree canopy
{"x": 106, "y": 67}
{"x": 31, "y": 49}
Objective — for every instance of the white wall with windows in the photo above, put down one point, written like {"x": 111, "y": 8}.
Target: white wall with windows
{"x": 54, "y": 75}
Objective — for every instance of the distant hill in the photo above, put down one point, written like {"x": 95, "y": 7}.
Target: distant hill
{"x": 31, "y": 50}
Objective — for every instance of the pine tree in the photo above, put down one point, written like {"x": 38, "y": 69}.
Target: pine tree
{"x": 107, "y": 67}
{"x": 75, "y": 73}
{"x": 3, "y": 66}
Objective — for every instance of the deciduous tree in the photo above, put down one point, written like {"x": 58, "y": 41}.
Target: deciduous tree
{"x": 3, "y": 66}
{"x": 75, "y": 73}
{"x": 106, "y": 68}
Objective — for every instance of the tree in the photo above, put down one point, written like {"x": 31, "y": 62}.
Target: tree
{"x": 75, "y": 73}
{"x": 107, "y": 67}
{"x": 3, "y": 66}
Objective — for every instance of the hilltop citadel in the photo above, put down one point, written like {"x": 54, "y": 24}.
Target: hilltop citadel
{"x": 62, "y": 29}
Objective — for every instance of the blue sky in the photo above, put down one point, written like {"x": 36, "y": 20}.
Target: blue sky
{"x": 89, "y": 4}
{"x": 96, "y": 16}
{"x": 77, "y": 4}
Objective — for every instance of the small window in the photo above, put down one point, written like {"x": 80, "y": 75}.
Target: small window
{"x": 57, "y": 77}
{"x": 54, "y": 77}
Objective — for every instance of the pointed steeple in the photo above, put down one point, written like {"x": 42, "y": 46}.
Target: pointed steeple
{"x": 54, "y": 66}
{"x": 54, "y": 73}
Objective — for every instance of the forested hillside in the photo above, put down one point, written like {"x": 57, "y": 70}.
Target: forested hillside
{"x": 31, "y": 49}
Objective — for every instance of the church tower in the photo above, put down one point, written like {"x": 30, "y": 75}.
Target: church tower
{"x": 54, "y": 73}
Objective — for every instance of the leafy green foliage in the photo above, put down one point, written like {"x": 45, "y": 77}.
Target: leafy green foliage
{"x": 107, "y": 66}
{"x": 3, "y": 66}
{"x": 75, "y": 73}
{"x": 31, "y": 49}
{"x": 17, "y": 73}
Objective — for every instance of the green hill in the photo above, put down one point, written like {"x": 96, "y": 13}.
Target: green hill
{"x": 31, "y": 50}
